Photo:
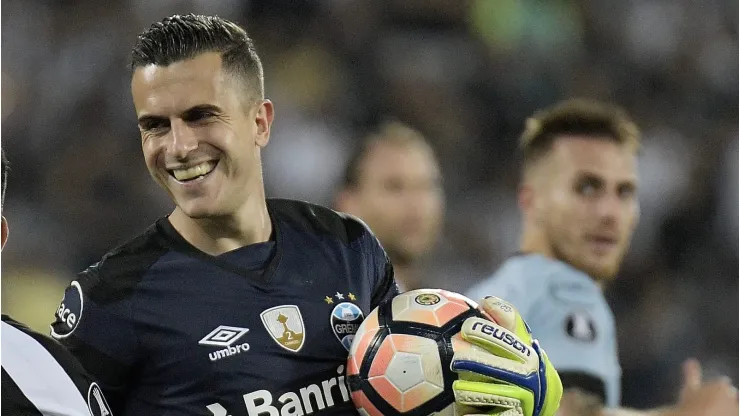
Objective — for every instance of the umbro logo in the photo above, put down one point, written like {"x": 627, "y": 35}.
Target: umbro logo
{"x": 225, "y": 336}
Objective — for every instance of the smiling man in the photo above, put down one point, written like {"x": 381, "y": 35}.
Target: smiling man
{"x": 235, "y": 304}
{"x": 224, "y": 306}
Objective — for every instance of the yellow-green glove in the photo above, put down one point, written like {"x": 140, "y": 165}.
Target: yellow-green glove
{"x": 504, "y": 372}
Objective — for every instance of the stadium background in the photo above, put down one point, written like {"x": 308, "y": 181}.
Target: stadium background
{"x": 465, "y": 73}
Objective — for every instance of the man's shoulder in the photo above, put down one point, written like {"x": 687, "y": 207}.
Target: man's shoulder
{"x": 15, "y": 324}
{"x": 557, "y": 279}
{"x": 506, "y": 282}
{"x": 534, "y": 276}
{"x": 523, "y": 270}
{"x": 529, "y": 267}
{"x": 107, "y": 287}
{"x": 318, "y": 219}
{"x": 16, "y": 335}
{"x": 30, "y": 361}
{"x": 121, "y": 268}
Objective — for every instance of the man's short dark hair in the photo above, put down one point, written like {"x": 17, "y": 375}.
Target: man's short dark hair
{"x": 178, "y": 38}
{"x": 4, "y": 172}
{"x": 576, "y": 117}
{"x": 393, "y": 132}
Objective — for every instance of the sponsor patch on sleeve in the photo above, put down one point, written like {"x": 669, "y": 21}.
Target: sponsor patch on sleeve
{"x": 69, "y": 313}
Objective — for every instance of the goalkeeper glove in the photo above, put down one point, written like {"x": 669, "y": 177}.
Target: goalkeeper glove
{"x": 504, "y": 372}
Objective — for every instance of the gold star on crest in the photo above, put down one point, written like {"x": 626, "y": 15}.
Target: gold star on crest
{"x": 351, "y": 296}
{"x": 328, "y": 300}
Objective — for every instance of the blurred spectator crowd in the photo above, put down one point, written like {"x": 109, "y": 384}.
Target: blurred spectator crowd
{"x": 466, "y": 74}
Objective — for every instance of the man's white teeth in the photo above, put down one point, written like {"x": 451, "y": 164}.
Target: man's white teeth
{"x": 194, "y": 171}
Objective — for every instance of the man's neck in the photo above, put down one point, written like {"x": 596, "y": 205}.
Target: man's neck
{"x": 218, "y": 235}
{"x": 533, "y": 244}
{"x": 407, "y": 277}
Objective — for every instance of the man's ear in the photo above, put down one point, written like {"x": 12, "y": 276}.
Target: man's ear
{"x": 4, "y": 232}
{"x": 525, "y": 197}
{"x": 263, "y": 118}
{"x": 531, "y": 186}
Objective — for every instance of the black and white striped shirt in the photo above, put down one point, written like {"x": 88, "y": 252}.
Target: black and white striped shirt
{"x": 40, "y": 377}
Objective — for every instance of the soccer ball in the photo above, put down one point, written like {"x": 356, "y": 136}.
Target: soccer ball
{"x": 399, "y": 361}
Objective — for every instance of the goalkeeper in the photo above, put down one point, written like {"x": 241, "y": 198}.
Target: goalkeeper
{"x": 579, "y": 204}
{"x": 223, "y": 306}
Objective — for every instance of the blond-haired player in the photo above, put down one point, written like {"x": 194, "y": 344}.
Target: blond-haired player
{"x": 578, "y": 199}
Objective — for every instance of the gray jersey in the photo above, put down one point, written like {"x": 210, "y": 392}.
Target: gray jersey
{"x": 569, "y": 316}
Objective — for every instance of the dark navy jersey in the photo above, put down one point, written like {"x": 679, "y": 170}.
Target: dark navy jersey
{"x": 262, "y": 330}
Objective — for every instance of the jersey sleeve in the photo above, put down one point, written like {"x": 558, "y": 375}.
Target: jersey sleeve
{"x": 511, "y": 286}
{"x": 569, "y": 317}
{"x": 40, "y": 375}
{"x": 386, "y": 287}
{"x": 380, "y": 268}
{"x": 91, "y": 391}
{"x": 575, "y": 327}
{"x": 94, "y": 323}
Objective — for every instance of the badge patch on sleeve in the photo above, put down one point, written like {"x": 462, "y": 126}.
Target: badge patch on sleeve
{"x": 580, "y": 325}
{"x": 69, "y": 313}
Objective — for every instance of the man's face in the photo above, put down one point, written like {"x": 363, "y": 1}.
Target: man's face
{"x": 399, "y": 196}
{"x": 585, "y": 200}
{"x": 201, "y": 137}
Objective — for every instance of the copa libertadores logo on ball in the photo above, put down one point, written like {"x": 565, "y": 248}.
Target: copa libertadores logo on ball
{"x": 345, "y": 320}
{"x": 427, "y": 299}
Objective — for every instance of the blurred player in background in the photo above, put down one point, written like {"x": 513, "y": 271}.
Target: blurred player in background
{"x": 393, "y": 183}
{"x": 578, "y": 198}
{"x": 39, "y": 376}
{"x": 235, "y": 304}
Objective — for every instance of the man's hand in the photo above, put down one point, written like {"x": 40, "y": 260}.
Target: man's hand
{"x": 576, "y": 402}
{"x": 505, "y": 372}
{"x": 716, "y": 398}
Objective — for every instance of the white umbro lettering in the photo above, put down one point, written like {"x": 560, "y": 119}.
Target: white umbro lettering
{"x": 228, "y": 351}
{"x": 260, "y": 402}
{"x": 225, "y": 336}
